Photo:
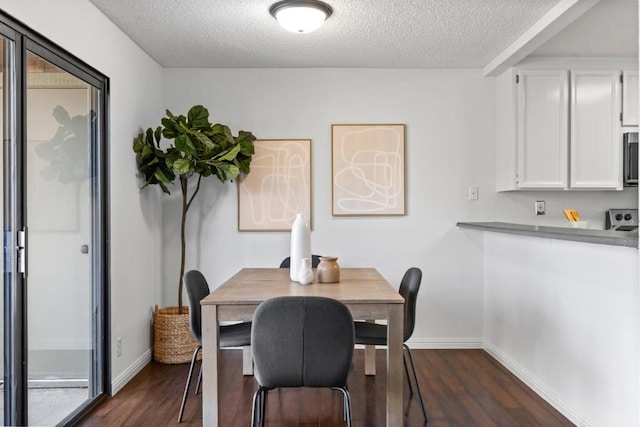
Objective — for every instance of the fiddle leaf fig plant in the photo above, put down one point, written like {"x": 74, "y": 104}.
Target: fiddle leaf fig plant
{"x": 200, "y": 149}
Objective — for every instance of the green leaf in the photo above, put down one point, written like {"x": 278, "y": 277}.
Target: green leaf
{"x": 158, "y": 135}
{"x": 183, "y": 143}
{"x": 247, "y": 148}
{"x": 243, "y": 164}
{"x": 148, "y": 137}
{"x": 164, "y": 188}
{"x": 170, "y": 129}
{"x": 160, "y": 176}
{"x": 138, "y": 143}
{"x": 198, "y": 118}
{"x": 229, "y": 155}
{"x": 226, "y": 171}
{"x": 153, "y": 161}
{"x": 206, "y": 143}
{"x": 146, "y": 152}
{"x": 245, "y": 137}
{"x": 222, "y": 135}
{"x": 182, "y": 166}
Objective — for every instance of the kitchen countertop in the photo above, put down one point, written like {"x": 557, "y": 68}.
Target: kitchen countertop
{"x": 602, "y": 237}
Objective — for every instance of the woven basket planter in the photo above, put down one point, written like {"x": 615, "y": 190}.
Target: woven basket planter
{"x": 172, "y": 338}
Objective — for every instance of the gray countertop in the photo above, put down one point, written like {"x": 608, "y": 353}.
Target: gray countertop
{"x": 602, "y": 237}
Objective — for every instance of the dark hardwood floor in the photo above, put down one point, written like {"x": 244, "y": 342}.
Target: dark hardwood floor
{"x": 460, "y": 388}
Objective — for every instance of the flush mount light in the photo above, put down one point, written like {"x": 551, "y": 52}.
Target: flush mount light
{"x": 300, "y": 16}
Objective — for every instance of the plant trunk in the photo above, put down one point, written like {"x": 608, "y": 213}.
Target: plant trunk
{"x": 183, "y": 184}
{"x": 186, "y": 204}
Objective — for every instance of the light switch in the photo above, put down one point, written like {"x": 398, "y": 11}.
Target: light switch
{"x": 473, "y": 192}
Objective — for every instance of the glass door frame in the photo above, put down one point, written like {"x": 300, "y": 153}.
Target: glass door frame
{"x": 15, "y": 282}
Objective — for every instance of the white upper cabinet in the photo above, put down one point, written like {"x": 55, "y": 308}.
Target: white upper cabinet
{"x": 595, "y": 129}
{"x": 561, "y": 127}
{"x": 542, "y": 128}
{"x": 630, "y": 98}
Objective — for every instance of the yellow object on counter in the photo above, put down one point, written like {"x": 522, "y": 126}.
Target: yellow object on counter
{"x": 571, "y": 214}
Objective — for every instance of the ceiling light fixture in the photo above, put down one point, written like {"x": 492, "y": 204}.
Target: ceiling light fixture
{"x": 300, "y": 16}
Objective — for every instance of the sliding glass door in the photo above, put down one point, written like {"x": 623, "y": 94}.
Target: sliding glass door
{"x": 61, "y": 134}
{"x": 55, "y": 287}
{"x": 7, "y": 124}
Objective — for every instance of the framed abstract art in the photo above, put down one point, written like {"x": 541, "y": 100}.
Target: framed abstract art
{"x": 368, "y": 169}
{"x": 278, "y": 186}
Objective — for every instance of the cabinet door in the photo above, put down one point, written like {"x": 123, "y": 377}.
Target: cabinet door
{"x": 595, "y": 129}
{"x": 543, "y": 127}
{"x": 630, "y": 98}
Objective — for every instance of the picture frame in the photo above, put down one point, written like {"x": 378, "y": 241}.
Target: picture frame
{"x": 278, "y": 186}
{"x": 368, "y": 169}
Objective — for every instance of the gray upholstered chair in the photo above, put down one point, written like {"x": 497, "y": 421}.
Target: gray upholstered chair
{"x": 301, "y": 342}
{"x": 375, "y": 334}
{"x": 237, "y": 335}
{"x": 315, "y": 260}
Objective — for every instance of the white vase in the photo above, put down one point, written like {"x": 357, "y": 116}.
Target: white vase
{"x": 305, "y": 273}
{"x": 300, "y": 245}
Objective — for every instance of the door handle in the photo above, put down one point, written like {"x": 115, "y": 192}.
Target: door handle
{"x": 22, "y": 251}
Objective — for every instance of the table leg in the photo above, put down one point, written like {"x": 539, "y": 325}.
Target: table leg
{"x": 247, "y": 361}
{"x": 210, "y": 365}
{"x": 394, "y": 365}
{"x": 370, "y": 357}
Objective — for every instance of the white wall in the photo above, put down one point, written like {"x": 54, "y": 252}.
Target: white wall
{"x": 450, "y": 117}
{"x": 450, "y": 128}
{"x": 136, "y": 99}
{"x": 564, "y": 316}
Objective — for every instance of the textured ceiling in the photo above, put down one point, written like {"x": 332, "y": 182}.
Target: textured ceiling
{"x": 610, "y": 28}
{"x": 360, "y": 33}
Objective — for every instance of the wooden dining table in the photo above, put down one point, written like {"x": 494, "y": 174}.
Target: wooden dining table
{"x": 364, "y": 291}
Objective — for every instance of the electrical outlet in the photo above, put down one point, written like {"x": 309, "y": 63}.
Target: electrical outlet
{"x": 540, "y": 208}
{"x": 473, "y": 192}
{"x": 119, "y": 347}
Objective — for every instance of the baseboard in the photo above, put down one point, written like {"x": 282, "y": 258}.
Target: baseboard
{"x": 130, "y": 372}
{"x": 442, "y": 343}
{"x": 445, "y": 343}
{"x": 533, "y": 383}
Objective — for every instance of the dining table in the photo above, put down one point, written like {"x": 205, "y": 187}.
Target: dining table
{"x": 367, "y": 294}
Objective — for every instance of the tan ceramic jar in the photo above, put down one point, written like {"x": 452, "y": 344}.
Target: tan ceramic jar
{"x": 328, "y": 270}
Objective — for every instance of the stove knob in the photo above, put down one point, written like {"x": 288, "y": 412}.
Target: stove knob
{"x": 627, "y": 217}
{"x": 619, "y": 217}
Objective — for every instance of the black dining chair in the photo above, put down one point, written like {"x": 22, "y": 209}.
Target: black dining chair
{"x": 301, "y": 342}
{"x": 236, "y": 335}
{"x": 315, "y": 260}
{"x": 376, "y": 334}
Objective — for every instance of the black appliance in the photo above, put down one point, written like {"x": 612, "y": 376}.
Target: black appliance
{"x": 621, "y": 219}
{"x": 630, "y": 158}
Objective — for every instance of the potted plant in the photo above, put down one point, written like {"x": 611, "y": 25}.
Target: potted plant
{"x": 200, "y": 149}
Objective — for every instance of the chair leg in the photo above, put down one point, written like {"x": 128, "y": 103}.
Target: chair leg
{"x": 255, "y": 411}
{"x": 186, "y": 387}
{"x": 199, "y": 383}
{"x": 406, "y": 371}
{"x": 263, "y": 407}
{"x": 415, "y": 377}
{"x": 347, "y": 404}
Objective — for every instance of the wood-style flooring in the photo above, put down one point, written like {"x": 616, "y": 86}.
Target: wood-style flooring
{"x": 460, "y": 387}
